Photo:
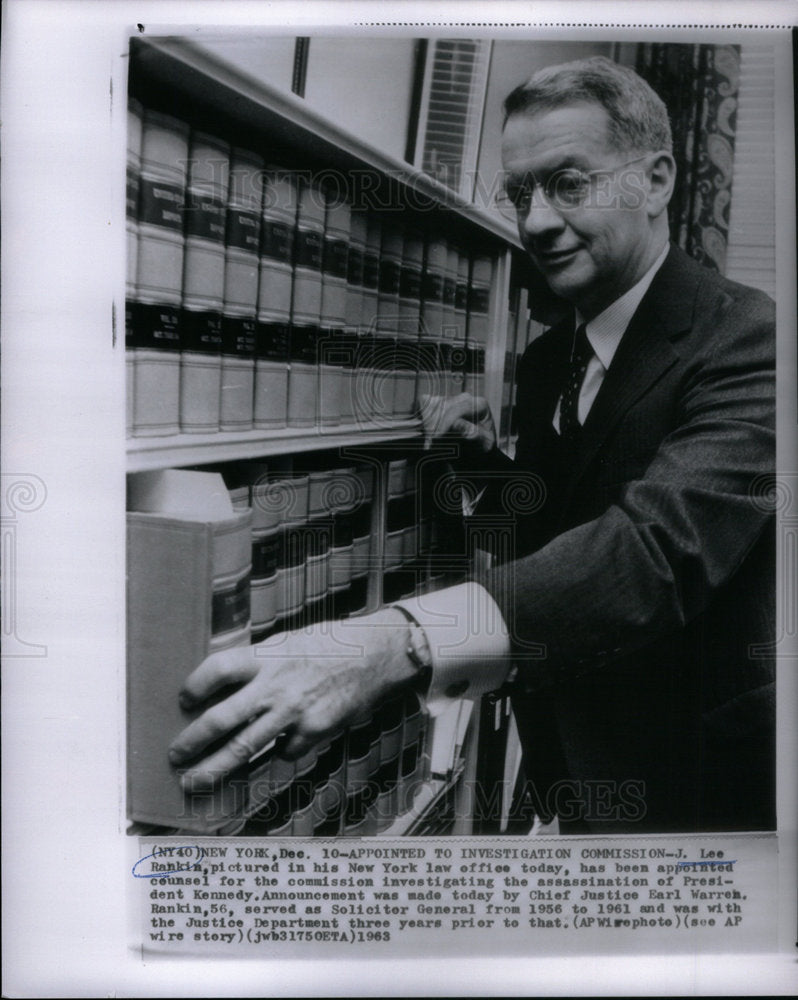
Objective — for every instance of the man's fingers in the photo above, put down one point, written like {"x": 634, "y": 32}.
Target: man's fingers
{"x": 230, "y": 666}
{"x": 217, "y": 721}
{"x": 236, "y": 751}
{"x": 464, "y": 428}
{"x": 443, "y": 415}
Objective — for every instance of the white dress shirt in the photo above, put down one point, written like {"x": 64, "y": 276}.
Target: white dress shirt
{"x": 467, "y": 634}
{"x": 604, "y": 333}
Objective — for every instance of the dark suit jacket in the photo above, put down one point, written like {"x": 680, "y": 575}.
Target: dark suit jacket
{"x": 641, "y": 595}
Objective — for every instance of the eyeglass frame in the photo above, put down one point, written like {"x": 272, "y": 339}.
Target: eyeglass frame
{"x": 505, "y": 204}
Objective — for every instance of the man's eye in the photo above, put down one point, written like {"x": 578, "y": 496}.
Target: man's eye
{"x": 566, "y": 184}
{"x": 520, "y": 197}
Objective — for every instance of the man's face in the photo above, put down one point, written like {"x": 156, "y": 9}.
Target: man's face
{"x": 592, "y": 253}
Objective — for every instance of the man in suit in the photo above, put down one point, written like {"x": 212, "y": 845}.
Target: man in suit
{"x": 637, "y": 608}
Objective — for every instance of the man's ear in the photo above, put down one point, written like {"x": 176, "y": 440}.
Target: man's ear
{"x": 661, "y": 181}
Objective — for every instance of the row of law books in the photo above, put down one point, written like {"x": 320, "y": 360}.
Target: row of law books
{"x": 354, "y": 784}
{"x": 217, "y": 561}
{"x": 311, "y": 530}
{"x": 262, "y": 297}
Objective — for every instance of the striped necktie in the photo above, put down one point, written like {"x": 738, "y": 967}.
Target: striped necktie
{"x": 581, "y": 353}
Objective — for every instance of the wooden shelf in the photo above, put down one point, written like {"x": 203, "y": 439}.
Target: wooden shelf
{"x": 203, "y": 449}
{"x": 185, "y": 68}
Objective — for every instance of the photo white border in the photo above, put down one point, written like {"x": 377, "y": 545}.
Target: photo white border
{"x": 67, "y": 901}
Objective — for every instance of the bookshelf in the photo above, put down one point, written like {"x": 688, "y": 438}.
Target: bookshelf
{"x": 206, "y": 449}
{"x": 177, "y": 78}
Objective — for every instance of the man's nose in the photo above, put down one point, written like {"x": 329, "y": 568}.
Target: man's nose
{"x": 541, "y": 217}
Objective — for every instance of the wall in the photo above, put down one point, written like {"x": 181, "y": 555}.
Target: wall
{"x": 269, "y": 59}
{"x": 363, "y": 85}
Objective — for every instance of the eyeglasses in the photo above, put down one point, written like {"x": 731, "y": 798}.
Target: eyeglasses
{"x": 563, "y": 190}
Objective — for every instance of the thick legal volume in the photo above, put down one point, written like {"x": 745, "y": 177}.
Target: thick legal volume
{"x": 433, "y": 287}
{"x": 155, "y": 316}
{"x": 407, "y": 352}
{"x": 351, "y": 407}
{"x": 450, "y": 327}
{"x": 203, "y": 284}
{"x": 239, "y": 319}
{"x": 333, "y": 372}
{"x": 272, "y": 340}
{"x": 479, "y": 300}
{"x": 303, "y": 376}
{"x": 189, "y": 559}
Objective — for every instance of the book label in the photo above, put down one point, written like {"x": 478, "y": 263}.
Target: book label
{"x": 335, "y": 262}
{"x": 371, "y": 271}
{"x": 272, "y": 341}
{"x": 479, "y": 299}
{"x": 132, "y": 193}
{"x": 230, "y": 607}
{"x": 304, "y": 344}
{"x": 243, "y": 230}
{"x": 309, "y": 249}
{"x": 154, "y": 327}
{"x": 205, "y": 218}
{"x": 161, "y": 204}
{"x": 238, "y": 336}
{"x": 410, "y": 283}
{"x": 202, "y": 332}
{"x": 276, "y": 241}
{"x": 432, "y": 285}
{"x": 354, "y": 266}
{"x": 390, "y": 272}
{"x": 266, "y": 555}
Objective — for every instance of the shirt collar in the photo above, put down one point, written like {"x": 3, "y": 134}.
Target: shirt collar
{"x": 604, "y": 332}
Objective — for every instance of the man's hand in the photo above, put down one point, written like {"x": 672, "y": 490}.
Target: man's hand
{"x": 304, "y": 684}
{"x": 466, "y": 417}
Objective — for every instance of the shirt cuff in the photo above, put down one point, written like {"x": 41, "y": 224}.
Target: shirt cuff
{"x": 468, "y": 640}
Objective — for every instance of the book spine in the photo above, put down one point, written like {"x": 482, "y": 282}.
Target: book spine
{"x": 155, "y": 317}
{"x": 367, "y": 372}
{"x": 358, "y": 228}
{"x": 479, "y": 300}
{"x": 409, "y": 318}
{"x": 361, "y": 538}
{"x": 333, "y": 380}
{"x": 388, "y": 317}
{"x": 450, "y": 328}
{"x": 272, "y": 342}
{"x": 239, "y": 320}
{"x": 371, "y": 274}
{"x": 351, "y": 405}
{"x": 231, "y": 620}
{"x": 306, "y": 307}
{"x": 203, "y": 284}
{"x": 461, "y": 296}
{"x": 318, "y": 542}
{"x": 433, "y": 287}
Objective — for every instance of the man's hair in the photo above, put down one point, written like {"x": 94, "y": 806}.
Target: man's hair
{"x": 638, "y": 117}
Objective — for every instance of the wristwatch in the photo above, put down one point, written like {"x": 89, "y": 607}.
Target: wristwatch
{"x": 418, "y": 651}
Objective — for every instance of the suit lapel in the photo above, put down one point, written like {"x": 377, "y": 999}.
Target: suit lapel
{"x": 643, "y": 356}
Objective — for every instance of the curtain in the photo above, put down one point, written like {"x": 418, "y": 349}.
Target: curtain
{"x": 699, "y": 85}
